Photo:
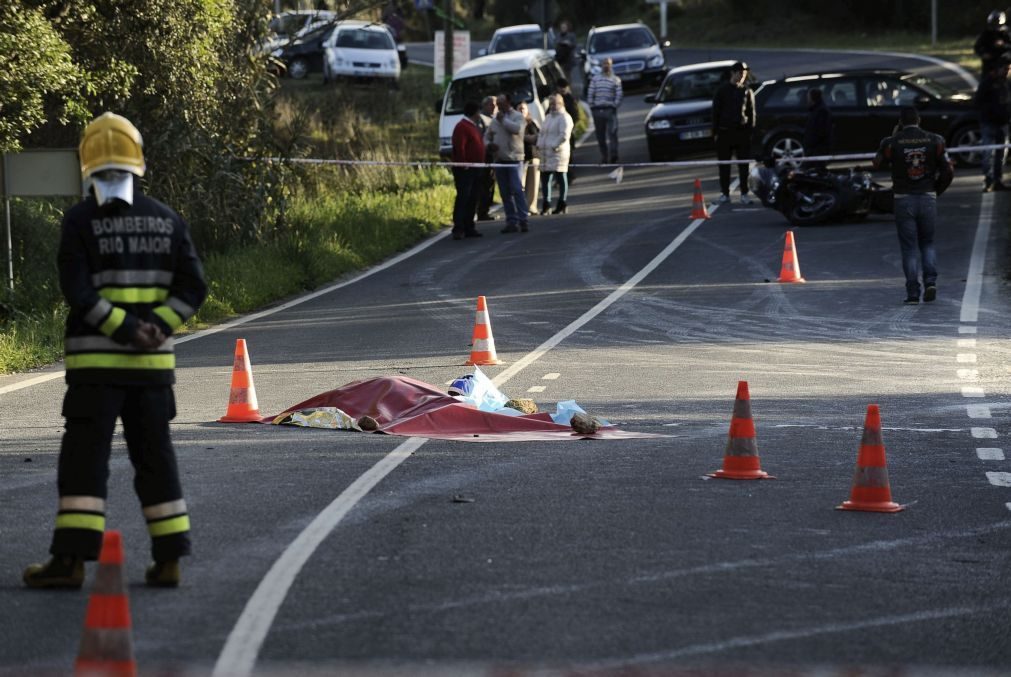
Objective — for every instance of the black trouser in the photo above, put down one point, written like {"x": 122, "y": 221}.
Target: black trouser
{"x": 466, "y": 180}
{"x": 730, "y": 142}
{"x": 91, "y": 412}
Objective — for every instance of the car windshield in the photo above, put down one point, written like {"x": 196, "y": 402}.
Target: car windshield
{"x": 688, "y": 86}
{"x": 932, "y": 87}
{"x": 510, "y": 42}
{"x": 361, "y": 38}
{"x": 514, "y": 83}
{"x": 626, "y": 38}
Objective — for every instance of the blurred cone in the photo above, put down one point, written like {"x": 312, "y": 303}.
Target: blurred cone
{"x": 699, "y": 210}
{"x": 106, "y": 647}
{"x": 242, "y": 405}
{"x": 871, "y": 491}
{"x": 482, "y": 343}
{"x": 790, "y": 272}
{"x": 740, "y": 461}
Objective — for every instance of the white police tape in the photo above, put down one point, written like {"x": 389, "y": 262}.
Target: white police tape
{"x": 419, "y": 164}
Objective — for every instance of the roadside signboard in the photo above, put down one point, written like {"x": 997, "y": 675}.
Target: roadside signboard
{"x": 461, "y": 53}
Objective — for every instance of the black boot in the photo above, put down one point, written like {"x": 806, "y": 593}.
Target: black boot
{"x": 560, "y": 209}
{"x": 545, "y": 207}
{"x": 61, "y": 571}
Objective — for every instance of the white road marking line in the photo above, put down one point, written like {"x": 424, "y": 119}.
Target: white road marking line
{"x": 966, "y": 358}
{"x": 967, "y": 330}
{"x": 551, "y": 377}
{"x": 999, "y": 479}
{"x": 968, "y": 374}
{"x": 1008, "y": 505}
{"x": 243, "y": 645}
{"x": 972, "y": 391}
{"x": 974, "y": 279}
{"x": 989, "y": 454}
{"x": 978, "y": 410}
{"x": 983, "y": 433}
{"x": 536, "y": 389}
{"x": 966, "y": 343}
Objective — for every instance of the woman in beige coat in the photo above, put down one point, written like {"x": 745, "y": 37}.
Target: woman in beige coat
{"x": 553, "y": 143}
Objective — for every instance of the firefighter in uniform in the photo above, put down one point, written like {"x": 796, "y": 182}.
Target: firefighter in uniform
{"x": 131, "y": 276}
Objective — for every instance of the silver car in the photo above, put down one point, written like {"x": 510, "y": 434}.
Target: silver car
{"x": 636, "y": 54}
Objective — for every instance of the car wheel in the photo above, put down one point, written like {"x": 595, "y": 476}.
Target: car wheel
{"x": 968, "y": 135}
{"x": 298, "y": 68}
{"x": 785, "y": 148}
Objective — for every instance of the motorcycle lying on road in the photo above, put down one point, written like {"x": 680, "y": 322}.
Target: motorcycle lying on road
{"x": 810, "y": 195}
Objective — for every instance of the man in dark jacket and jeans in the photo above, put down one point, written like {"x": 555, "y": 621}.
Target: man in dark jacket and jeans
{"x": 916, "y": 158}
{"x": 818, "y": 130}
{"x": 992, "y": 100}
{"x": 733, "y": 124}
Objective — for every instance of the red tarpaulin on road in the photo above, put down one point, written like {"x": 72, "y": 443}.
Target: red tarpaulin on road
{"x": 412, "y": 408}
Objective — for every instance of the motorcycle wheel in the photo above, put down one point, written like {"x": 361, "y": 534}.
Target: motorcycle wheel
{"x": 803, "y": 213}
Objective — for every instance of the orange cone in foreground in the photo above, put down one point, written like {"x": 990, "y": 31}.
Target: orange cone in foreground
{"x": 871, "y": 491}
{"x": 740, "y": 461}
{"x": 107, "y": 645}
{"x": 699, "y": 210}
{"x": 242, "y": 405}
{"x": 790, "y": 272}
{"x": 482, "y": 349}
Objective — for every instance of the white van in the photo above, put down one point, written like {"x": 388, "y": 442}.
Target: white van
{"x": 529, "y": 75}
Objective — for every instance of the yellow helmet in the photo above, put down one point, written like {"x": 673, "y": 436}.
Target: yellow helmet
{"x": 111, "y": 141}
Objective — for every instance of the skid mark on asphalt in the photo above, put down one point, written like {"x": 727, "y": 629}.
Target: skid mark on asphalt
{"x": 514, "y": 594}
{"x": 787, "y": 635}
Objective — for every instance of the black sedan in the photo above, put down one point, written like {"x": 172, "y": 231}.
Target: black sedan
{"x": 865, "y": 108}
{"x": 681, "y": 122}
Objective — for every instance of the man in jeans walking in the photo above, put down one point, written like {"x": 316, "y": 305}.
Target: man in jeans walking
{"x": 505, "y": 139}
{"x": 604, "y": 96}
{"x": 916, "y": 158}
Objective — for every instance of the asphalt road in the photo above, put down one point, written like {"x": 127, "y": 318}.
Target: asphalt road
{"x": 608, "y": 555}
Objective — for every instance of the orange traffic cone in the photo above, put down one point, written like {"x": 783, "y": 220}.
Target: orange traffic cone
{"x": 699, "y": 210}
{"x": 107, "y": 645}
{"x": 482, "y": 349}
{"x": 790, "y": 272}
{"x": 871, "y": 491}
{"x": 242, "y": 405}
{"x": 740, "y": 461}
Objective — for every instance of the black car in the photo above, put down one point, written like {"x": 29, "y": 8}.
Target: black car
{"x": 865, "y": 109}
{"x": 681, "y": 122}
{"x": 304, "y": 54}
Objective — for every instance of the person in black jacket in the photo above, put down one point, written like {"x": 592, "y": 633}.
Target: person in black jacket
{"x": 994, "y": 42}
{"x": 131, "y": 277}
{"x": 733, "y": 124}
{"x": 818, "y": 130}
{"x": 993, "y": 100}
{"x": 917, "y": 159}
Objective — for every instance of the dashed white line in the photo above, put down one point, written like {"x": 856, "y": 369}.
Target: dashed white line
{"x": 967, "y": 330}
{"x": 978, "y": 410}
{"x": 972, "y": 391}
{"x": 983, "y": 433}
{"x": 999, "y": 479}
{"x": 551, "y": 377}
{"x": 536, "y": 389}
{"x": 966, "y": 358}
{"x": 990, "y": 454}
{"x": 967, "y": 343}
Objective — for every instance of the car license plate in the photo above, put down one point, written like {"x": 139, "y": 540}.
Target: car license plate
{"x": 362, "y": 74}
{"x": 630, "y": 76}
{"x": 696, "y": 134}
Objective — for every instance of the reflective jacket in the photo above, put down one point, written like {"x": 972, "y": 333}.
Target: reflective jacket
{"x": 120, "y": 264}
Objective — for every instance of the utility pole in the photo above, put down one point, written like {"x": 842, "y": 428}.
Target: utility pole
{"x": 447, "y": 23}
{"x": 933, "y": 22}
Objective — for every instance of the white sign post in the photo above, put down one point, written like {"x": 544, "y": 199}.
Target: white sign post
{"x": 663, "y": 16}
{"x": 461, "y": 53}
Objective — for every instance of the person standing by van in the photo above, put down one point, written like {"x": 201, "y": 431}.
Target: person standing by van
{"x": 505, "y": 137}
{"x": 468, "y": 146}
{"x": 485, "y": 183}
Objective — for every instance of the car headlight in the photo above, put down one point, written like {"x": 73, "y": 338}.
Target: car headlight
{"x": 656, "y": 61}
{"x": 658, "y": 124}
{"x": 593, "y": 61}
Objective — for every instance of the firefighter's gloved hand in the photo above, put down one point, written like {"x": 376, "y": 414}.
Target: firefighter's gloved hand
{"x": 148, "y": 336}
